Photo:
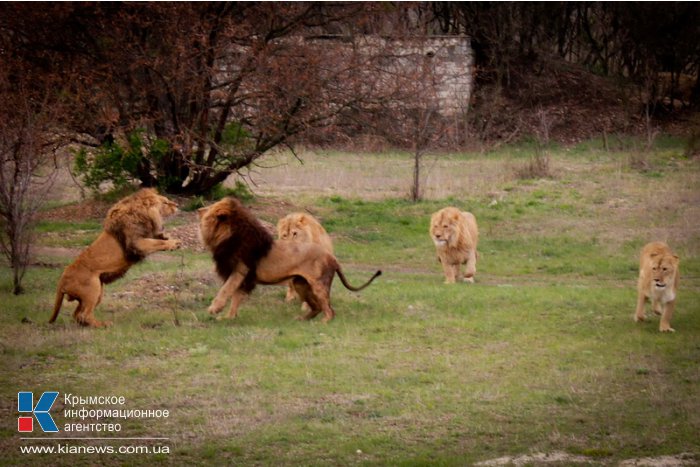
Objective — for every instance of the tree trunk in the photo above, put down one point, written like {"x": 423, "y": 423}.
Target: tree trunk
{"x": 415, "y": 189}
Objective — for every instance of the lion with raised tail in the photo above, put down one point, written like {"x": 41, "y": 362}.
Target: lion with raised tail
{"x": 245, "y": 254}
{"x": 455, "y": 235}
{"x": 133, "y": 230}
{"x": 659, "y": 276}
{"x": 304, "y": 228}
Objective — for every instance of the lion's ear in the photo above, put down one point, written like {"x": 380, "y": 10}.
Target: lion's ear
{"x": 202, "y": 211}
{"x": 302, "y": 220}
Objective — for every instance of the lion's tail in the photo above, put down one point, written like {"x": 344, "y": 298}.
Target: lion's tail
{"x": 57, "y": 304}
{"x": 347, "y": 285}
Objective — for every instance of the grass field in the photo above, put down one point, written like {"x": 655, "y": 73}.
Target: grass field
{"x": 540, "y": 355}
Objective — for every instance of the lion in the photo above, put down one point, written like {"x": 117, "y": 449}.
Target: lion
{"x": 302, "y": 227}
{"x": 245, "y": 254}
{"x": 659, "y": 276}
{"x": 455, "y": 235}
{"x": 133, "y": 229}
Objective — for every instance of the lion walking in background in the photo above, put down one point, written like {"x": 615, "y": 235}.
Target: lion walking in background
{"x": 455, "y": 235}
{"x": 133, "y": 229}
{"x": 304, "y": 228}
{"x": 658, "y": 282}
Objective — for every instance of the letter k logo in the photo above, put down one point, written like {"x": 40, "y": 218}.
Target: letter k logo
{"x": 25, "y": 403}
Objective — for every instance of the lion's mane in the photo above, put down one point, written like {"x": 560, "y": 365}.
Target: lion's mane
{"x": 134, "y": 217}
{"x": 237, "y": 237}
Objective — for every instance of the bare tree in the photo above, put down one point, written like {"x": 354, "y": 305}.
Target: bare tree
{"x": 207, "y": 88}
{"x": 27, "y": 169}
{"x": 416, "y": 118}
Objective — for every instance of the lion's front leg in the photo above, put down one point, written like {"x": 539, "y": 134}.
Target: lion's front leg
{"x": 665, "y": 323}
{"x": 151, "y": 245}
{"x": 227, "y": 290}
{"x": 470, "y": 267}
{"x": 236, "y": 300}
{"x": 449, "y": 270}
{"x": 639, "y": 313}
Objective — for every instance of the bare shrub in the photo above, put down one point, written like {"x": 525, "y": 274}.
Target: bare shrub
{"x": 639, "y": 161}
{"x": 538, "y": 166}
{"x": 27, "y": 168}
{"x": 692, "y": 146}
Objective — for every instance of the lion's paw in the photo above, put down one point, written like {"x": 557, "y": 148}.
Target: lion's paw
{"x": 666, "y": 329}
{"x": 101, "y": 324}
{"x": 215, "y": 307}
{"x": 174, "y": 244}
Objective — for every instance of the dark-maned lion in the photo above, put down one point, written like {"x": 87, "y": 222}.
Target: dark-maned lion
{"x": 658, "y": 282}
{"x": 245, "y": 254}
{"x": 133, "y": 230}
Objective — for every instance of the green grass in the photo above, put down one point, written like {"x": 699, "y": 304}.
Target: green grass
{"x": 540, "y": 355}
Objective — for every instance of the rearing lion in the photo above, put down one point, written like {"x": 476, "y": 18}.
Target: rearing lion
{"x": 133, "y": 230}
{"x": 245, "y": 254}
{"x": 455, "y": 235}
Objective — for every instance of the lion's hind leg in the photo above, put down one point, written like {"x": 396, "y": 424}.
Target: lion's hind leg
{"x": 87, "y": 291}
{"x": 84, "y": 312}
{"x": 303, "y": 290}
{"x": 316, "y": 299}
{"x": 322, "y": 298}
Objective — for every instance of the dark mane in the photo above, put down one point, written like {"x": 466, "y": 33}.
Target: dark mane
{"x": 249, "y": 242}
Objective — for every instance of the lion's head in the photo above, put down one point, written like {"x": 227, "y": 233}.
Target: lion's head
{"x": 233, "y": 234}
{"x": 302, "y": 227}
{"x": 214, "y": 222}
{"x": 446, "y": 227}
{"x": 137, "y": 216}
{"x": 663, "y": 269}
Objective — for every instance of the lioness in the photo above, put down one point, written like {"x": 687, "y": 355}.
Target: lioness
{"x": 455, "y": 235}
{"x": 302, "y": 227}
{"x": 245, "y": 254}
{"x": 658, "y": 281}
{"x": 133, "y": 230}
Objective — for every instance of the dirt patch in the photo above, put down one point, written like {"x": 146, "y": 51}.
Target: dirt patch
{"x": 538, "y": 458}
{"x": 563, "y": 458}
{"x": 663, "y": 461}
